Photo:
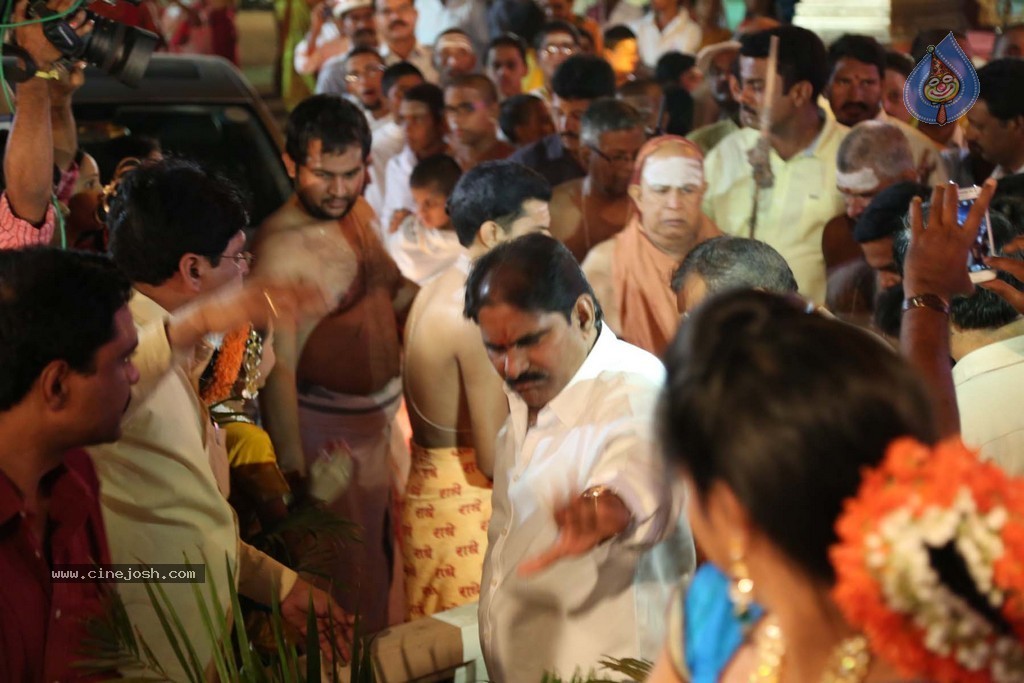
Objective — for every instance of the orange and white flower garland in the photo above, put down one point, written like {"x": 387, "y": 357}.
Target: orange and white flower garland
{"x": 921, "y": 503}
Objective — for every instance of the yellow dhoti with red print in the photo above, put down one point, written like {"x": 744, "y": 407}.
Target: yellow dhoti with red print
{"x": 444, "y": 529}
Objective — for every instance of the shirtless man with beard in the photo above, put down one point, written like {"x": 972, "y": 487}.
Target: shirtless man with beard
{"x": 331, "y": 399}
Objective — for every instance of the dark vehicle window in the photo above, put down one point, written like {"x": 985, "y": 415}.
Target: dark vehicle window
{"x": 228, "y": 138}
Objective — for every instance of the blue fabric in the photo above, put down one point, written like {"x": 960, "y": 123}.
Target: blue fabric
{"x": 712, "y": 633}
{"x": 551, "y": 159}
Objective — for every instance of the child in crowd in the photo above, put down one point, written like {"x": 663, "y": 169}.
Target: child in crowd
{"x": 425, "y": 244}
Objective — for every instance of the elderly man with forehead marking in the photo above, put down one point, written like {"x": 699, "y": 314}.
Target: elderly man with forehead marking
{"x": 589, "y": 210}
{"x": 582, "y": 546}
{"x": 631, "y": 272}
{"x": 454, "y": 55}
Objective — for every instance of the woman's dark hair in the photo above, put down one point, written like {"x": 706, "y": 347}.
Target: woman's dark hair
{"x": 333, "y": 120}
{"x": 786, "y": 408}
{"x": 166, "y": 209}
{"x": 54, "y": 305}
{"x": 534, "y": 273}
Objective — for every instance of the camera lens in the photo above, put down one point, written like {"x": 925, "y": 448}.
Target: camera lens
{"x": 120, "y": 50}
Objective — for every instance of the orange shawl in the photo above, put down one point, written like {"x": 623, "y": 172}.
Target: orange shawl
{"x": 641, "y": 276}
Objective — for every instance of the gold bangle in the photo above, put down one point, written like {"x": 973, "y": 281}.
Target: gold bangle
{"x": 270, "y": 302}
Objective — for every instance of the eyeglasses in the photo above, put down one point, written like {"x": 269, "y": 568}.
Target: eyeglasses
{"x": 564, "y": 50}
{"x": 366, "y": 74}
{"x": 241, "y": 257}
{"x": 614, "y": 159}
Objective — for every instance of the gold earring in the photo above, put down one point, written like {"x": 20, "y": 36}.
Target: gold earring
{"x": 741, "y": 589}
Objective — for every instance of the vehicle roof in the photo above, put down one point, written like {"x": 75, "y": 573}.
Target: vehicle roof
{"x": 172, "y": 78}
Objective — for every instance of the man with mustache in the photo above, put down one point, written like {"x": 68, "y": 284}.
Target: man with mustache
{"x": 803, "y": 141}
{"x": 330, "y": 401}
{"x": 396, "y": 21}
{"x": 580, "y": 80}
{"x": 576, "y": 466}
{"x": 996, "y": 120}
{"x": 855, "y": 87}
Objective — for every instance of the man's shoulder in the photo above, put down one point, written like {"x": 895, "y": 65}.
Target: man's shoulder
{"x": 530, "y": 154}
{"x": 598, "y": 261}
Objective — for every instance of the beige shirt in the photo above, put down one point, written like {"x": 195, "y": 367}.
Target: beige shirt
{"x": 791, "y": 215}
{"x": 989, "y": 390}
{"x": 160, "y": 499}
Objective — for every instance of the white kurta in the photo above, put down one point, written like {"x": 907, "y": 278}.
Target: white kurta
{"x": 682, "y": 34}
{"x": 597, "y": 431}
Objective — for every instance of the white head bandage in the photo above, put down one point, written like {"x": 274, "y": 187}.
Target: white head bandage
{"x": 345, "y": 6}
{"x": 673, "y": 172}
{"x": 454, "y": 41}
{"x": 858, "y": 182}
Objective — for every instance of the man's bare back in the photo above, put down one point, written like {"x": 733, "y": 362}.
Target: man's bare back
{"x": 453, "y": 394}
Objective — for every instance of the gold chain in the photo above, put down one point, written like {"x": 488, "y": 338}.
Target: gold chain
{"x": 848, "y": 663}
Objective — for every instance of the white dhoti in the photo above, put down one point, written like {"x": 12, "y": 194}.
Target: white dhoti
{"x": 330, "y": 423}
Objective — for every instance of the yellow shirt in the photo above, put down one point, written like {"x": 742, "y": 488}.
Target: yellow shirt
{"x": 160, "y": 499}
{"x": 792, "y": 214}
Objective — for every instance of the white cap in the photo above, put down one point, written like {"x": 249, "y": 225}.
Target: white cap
{"x": 709, "y": 52}
{"x": 343, "y": 7}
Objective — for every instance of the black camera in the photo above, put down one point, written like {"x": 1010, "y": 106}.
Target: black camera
{"x": 122, "y": 51}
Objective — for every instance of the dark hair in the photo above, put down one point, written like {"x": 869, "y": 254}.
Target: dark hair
{"x": 899, "y": 62}
{"x": 438, "y": 172}
{"x": 728, "y": 263}
{"x": 166, "y": 209}
{"x": 515, "y": 111}
{"x": 614, "y": 35}
{"x": 671, "y": 66}
{"x": 786, "y": 408}
{"x": 984, "y": 309}
{"x": 884, "y": 216}
{"x": 493, "y": 191}
{"x": 931, "y": 36}
{"x": 678, "y": 105}
{"x": 482, "y": 84}
{"x": 521, "y": 17}
{"x": 54, "y": 305}
{"x": 584, "y": 77}
{"x": 861, "y": 48}
{"x": 430, "y": 95}
{"x": 333, "y": 120}
{"x": 534, "y": 273}
{"x": 507, "y": 40}
{"x": 396, "y": 71}
{"x": 361, "y": 50}
{"x": 1001, "y": 87}
{"x": 555, "y": 27}
{"x": 802, "y": 55}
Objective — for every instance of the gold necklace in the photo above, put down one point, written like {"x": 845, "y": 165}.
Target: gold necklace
{"x": 848, "y": 663}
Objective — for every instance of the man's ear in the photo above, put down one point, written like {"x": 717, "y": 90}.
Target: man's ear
{"x": 189, "y": 268}
{"x": 490, "y": 234}
{"x": 53, "y": 382}
{"x": 801, "y": 93}
{"x": 289, "y": 164}
{"x": 584, "y": 313}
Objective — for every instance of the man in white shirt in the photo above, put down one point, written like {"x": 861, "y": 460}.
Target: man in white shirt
{"x": 986, "y": 341}
{"x": 421, "y": 116}
{"x": 344, "y": 24}
{"x": 359, "y": 75}
{"x": 576, "y": 466}
{"x": 996, "y": 120}
{"x": 666, "y": 27}
{"x": 396, "y": 22}
{"x": 803, "y": 142}
{"x": 437, "y": 16}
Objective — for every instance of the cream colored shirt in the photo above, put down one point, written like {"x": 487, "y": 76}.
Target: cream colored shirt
{"x": 792, "y": 214}
{"x": 609, "y": 602}
{"x": 160, "y": 498}
{"x": 989, "y": 393}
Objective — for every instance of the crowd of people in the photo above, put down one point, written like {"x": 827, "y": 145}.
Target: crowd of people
{"x": 652, "y": 350}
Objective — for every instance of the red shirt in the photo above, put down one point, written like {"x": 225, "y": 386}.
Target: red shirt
{"x": 41, "y": 623}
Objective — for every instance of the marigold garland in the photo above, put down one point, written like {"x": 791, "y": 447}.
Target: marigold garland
{"x": 226, "y": 367}
{"x": 921, "y": 497}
